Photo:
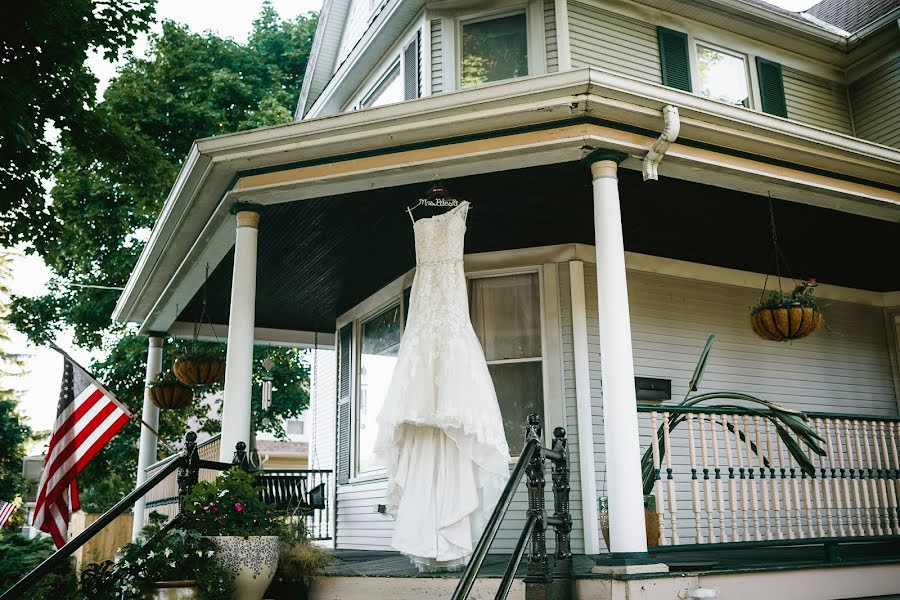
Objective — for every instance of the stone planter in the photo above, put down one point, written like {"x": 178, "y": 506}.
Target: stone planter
{"x": 173, "y": 590}
{"x": 199, "y": 372}
{"x": 171, "y": 396}
{"x": 785, "y": 323}
{"x": 251, "y": 561}
{"x": 651, "y": 520}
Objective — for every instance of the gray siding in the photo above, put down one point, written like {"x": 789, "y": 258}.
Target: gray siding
{"x": 609, "y": 41}
{"x": 842, "y": 368}
{"x": 550, "y": 36}
{"x": 875, "y": 99}
{"x": 354, "y": 28}
{"x": 437, "y": 65}
{"x": 816, "y": 101}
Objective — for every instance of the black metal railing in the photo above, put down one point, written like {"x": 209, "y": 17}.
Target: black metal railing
{"x": 287, "y": 490}
{"x": 540, "y": 581}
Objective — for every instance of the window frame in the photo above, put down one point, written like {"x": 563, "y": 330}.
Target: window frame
{"x": 381, "y": 84}
{"x": 752, "y": 86}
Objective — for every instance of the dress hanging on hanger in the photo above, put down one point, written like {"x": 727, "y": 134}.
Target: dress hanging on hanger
{"x": 440, "y": 432}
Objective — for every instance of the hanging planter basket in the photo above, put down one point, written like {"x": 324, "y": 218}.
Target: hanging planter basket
{"x": 169, "y": 393}
{"x": 785, "y": 323}
{"x": 194, "y": 371}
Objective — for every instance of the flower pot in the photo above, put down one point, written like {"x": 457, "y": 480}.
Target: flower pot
{"x": 171, "y": 396}
{"x": 284, "y": 589}
{"x": 199, "y": 372}
{"x": 785, "y": 323}
{"x": 251, "y": 561}
{"x": 651, "y": 520}
{"x": 173, "y": 590}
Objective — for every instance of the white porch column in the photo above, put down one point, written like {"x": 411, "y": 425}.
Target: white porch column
{"x": 241, "y": 319}
{"x": 148, "y": 441}
{"x": 620, "y": 419}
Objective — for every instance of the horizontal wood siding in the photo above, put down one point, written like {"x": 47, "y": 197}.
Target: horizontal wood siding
{"x": 876, "y": 109}
{"x": 816, "y": 101}
{"x": 550, "y": 36}
{"x": 842, "y": 368}
{"x": 609, "y": 41}
{"x": 437, "y": 65}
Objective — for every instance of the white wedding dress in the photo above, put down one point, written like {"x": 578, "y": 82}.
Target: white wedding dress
{"x": 440, "y": 432}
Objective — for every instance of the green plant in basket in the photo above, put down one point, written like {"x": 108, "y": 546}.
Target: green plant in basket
{"x": 231, "y": 505}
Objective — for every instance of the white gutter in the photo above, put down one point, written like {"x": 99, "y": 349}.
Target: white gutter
{"x": 661, "y": 145}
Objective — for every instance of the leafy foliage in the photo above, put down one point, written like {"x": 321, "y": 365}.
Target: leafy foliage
{"x": 19, "y": 555}
{"x": 179, "y": 555}
{"x": 230, "y": 505}
{"x": 801, "y": 295}
{"x": 46, "y": 83}
{"x": 197, "y": 351}
{"x": 165, "y": 379}
{"x": 300, "y": 562}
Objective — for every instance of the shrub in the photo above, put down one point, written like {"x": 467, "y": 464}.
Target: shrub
{"x": 19, "y": 555}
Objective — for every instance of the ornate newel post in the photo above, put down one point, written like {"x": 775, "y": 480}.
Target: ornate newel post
{"x": 240, "y": 457}
{"x": 563, "y": 582}
{"x": 538, "y": 578}
{"x": 189, "y": 471}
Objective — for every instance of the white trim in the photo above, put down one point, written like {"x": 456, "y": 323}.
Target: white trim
{"x": 584, "y": 410}
{"x": 262, "y": 335}
{"x": 563, "y": 42}
{"x": 743, "y": 56}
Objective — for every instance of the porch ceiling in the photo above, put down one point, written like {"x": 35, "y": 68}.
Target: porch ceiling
{"x": 320, "y": 257}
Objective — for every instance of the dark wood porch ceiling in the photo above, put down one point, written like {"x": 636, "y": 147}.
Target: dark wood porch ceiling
{"x": 318, "y": 258}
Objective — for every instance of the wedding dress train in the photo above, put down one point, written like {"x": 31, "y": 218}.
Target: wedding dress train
{"x": 440, "y": 432}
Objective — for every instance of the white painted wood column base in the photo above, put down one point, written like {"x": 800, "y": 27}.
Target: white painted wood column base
{"x": 148, "y": 441}
{"x": 241, "y": 321}
{"x": 620, "y": 419}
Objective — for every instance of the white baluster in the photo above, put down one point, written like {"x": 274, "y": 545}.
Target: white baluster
{"x": 670, "y": 481}
{"x": 695, "y": 489}
{"x": 764, "y": 482}
{"x": 855, "y": 488}
{"x": 871, "y": 481}
{"x": 707, "y": 482}
{"x": 810, "y": 505}
{"x": 846, "y": 499}
{"x": 893, "y": 429}
{"x": 862, "y": 485}
{"x": 657, "y": 485}
{"x": 732, "y": 484}
{"x": 773, "y": 484}
{"x": 887, "y": 487}
{"x": 836, "y": 510}
{"x": 720, "y": 499}
{"x": 782, "y": 468}
{"x": 754, "y": 489}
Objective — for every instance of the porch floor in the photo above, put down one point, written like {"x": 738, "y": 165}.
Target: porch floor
{"x": 367, "y": 563}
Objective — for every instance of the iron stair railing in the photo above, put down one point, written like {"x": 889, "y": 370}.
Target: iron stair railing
{"x": 540, "y": 582}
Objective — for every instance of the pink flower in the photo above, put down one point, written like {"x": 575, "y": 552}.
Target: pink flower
{"x": 215, "y": 509}
{"x": 238, "y": 507}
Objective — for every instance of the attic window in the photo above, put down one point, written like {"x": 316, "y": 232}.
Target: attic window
{"x": 494, "y": 49}
{"x": 723, "y": 76}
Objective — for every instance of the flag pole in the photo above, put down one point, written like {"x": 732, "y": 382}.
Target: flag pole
{"x": 131, "y": 415}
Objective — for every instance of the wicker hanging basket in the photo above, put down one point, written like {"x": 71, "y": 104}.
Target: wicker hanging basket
{"x": 171, "y": 396}
{"x": 199, "y": 372}
{"x": 785, "y": 323}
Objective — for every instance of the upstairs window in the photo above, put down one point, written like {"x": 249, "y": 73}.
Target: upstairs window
{"x": 387, "y": 91}
{"x": 493, "y": 49}
{"x": 723, "y": 76}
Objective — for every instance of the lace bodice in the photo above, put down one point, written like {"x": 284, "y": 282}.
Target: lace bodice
{"x": 439, "y": 239}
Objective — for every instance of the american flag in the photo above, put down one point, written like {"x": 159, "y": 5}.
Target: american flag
{"x": 87, "y": 416}
{"x": 7, "y": 509}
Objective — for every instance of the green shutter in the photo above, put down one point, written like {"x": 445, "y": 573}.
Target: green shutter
{"x": 771, "y": 87}
{"x": 345, "y": 341}
{"x": 674, "y": 58}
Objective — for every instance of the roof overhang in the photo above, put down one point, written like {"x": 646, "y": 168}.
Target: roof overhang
{"x": 527, "y": 122}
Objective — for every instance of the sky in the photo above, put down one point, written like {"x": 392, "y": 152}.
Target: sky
{"x": 229, "y": 18}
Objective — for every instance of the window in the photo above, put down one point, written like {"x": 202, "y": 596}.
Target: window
{"x": 380, "y": 342}
{"x": 494, "y": 49}
{"x": 388, "y": 90}
{"x": 723, "y": 76}
{"x": 506, "y": 316}
{"x": 294, "y": 427}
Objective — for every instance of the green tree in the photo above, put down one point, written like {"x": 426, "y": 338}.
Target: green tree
{"x": 44, "y": 82}
{"x": 110, "y": 186}
{"x": 13, "y": 431}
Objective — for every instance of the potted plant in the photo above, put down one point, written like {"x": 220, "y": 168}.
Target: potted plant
{"x": 167, "y": 392}
{"x": 177, "y": 565}
{"x": 244, "y": 532}
{"x": 781, "y": 316}
{"x": 199, "y": 363}
{"x": 298, "y": 565}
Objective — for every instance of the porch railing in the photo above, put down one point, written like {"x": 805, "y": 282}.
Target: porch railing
{"x": 725, "y": 475}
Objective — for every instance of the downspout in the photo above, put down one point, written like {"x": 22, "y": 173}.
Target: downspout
{"x": 661, "y": 145}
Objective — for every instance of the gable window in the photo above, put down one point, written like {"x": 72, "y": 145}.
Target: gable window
{"x": 723, "y": 76}
{"x": 387, "y": 91}
{"x": 493, "y": 48}
{"x": 379, "y": 345}
{"x": 506, "y": 316}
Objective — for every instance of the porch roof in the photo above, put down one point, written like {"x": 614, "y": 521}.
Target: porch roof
{"x": 545, "y": 120}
